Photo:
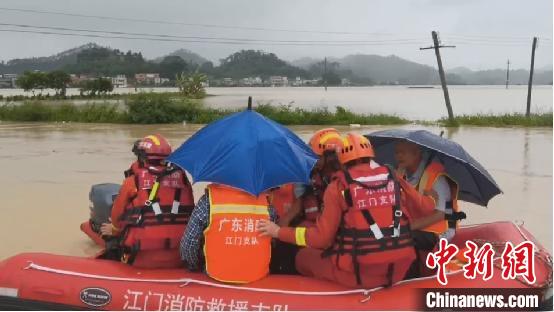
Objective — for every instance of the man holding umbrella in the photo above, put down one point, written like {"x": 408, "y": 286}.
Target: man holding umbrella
{"x": 433, "y": 164}
{"x": 428, "y": 175}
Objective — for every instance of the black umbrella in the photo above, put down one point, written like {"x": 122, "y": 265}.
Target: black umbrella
{"x": 476, "y": 184}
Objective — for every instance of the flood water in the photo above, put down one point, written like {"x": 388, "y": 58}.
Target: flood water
{"x": 48, "y": 168}
{"x": 408, "y": 102}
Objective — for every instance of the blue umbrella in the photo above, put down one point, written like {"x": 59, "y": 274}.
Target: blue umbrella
{"x": 476, "y": 184}
{"x": 247, "y": 151}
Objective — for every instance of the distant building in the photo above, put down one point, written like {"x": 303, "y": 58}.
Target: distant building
{"x": 228, "y": 82}
{"x": 245, "y": 82}
{"x": 311, "y": 82}
{"x": 278, "y": 81}
{"x": 345, "y": 82}
{"x": 8, "y": 80}
{"x": 119, "y": 81}
{"x": 78, "y": 79}
{"x": 148, "y": 78}
{"x": 251, "y": 82}
{"x": 297, "y": 82}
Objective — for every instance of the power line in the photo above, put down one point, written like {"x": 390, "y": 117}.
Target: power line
{"x": 204, "y": 41}
{"x": 148, "y": 21}
{"x": 451, "y": 35}
{"x": 228, "y": 41}
{"x": 199, "y": 37}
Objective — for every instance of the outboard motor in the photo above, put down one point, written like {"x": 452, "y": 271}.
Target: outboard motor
{"x": 101, "y": 198}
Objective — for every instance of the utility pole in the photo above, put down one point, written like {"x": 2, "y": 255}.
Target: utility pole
{"x": 528, "y": 112}
{"x": 437, "y": 46}
{"x": 325, "y": 73}
{"x": 508, "y": 75}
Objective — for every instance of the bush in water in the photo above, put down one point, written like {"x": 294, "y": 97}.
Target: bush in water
{"x": 38, "y": 111}
{"x": 286, "y": 114}
{"x": 534, "y": 120}
{"x": 149, "y": 108}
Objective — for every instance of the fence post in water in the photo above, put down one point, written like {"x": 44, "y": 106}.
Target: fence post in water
{"x": 528, "y": 112}
{"x": 508, "y": 75}
{"x": 436, "y": 46}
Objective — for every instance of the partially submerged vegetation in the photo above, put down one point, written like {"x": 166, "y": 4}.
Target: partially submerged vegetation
{"x": 505, "y": 120}
{"x": 39, "y": 111}
{"x": 159, "y": 108}
{"x": 150, "y": 108}
{"x": 287, "y": 115}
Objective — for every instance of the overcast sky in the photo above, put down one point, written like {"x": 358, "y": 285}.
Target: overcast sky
{"x": 486, "y": 32}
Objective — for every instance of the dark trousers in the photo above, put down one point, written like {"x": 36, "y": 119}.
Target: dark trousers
{"x": 424, "y": 242}
{"x": 282, "y": 258}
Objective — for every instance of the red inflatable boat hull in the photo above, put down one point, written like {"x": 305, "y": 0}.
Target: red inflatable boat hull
{"x": 72, "y": 282}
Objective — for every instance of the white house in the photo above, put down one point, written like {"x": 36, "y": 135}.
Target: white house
{"x": 119, "y": 81}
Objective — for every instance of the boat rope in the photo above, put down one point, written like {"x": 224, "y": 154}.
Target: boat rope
{"x": 187, "y": 281}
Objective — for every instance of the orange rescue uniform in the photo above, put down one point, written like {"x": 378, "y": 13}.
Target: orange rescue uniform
{"x": 234, "y": 251}
{"x": 321, "y": 236}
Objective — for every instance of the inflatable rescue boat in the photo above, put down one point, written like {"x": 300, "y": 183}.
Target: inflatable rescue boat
{"x": 46, "y": 281}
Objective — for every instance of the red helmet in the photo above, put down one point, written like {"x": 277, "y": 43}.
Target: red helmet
{"x": 154, "y": 147}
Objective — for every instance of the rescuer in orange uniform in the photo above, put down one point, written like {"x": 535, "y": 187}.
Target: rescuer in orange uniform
{"x": 299, "y": 204}
{"x": 151, "y": 209}
{"x": 306, "y": 201}
{"x": 221, "y": 235}
{"x": 362, "y": 238}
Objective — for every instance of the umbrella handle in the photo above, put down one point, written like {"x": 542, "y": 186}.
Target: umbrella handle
{"x": 249, "y": 103}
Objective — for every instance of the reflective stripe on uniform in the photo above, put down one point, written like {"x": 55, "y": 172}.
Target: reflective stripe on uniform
{"x": 154, "y": 139}
{"x": 156, "y": 208}
{"x": 175, "y": 207}
{"x": 300, "y": 236}
{"x": 154, "y": 191}
{"x": 242, "y": 209}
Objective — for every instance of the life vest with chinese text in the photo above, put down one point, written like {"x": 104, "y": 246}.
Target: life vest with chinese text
{"x": 373, "y": 229}
{"x": 154, "y": 220}
{"x": 233, "y": 249}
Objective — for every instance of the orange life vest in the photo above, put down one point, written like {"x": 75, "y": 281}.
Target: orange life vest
{"x": 430, "y": 175}
{"x": 155, "y": 219}
{"x": 312, "y": 201}
{"x": 282, "y": 199}
{"x": 233, "y": 249}
{"x": 136, "y": 165}
{"x": 374, "y": 229}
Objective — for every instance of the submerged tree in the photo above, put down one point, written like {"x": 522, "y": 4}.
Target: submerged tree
{"x": 191, "y": 85}
{"x": 58, "y": 80}
{"x": 31, "y": 81}
{"x": 96, "y": 86}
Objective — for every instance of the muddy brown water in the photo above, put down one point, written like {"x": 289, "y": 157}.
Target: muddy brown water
{"x": 47, "y": 170}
